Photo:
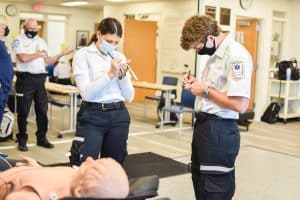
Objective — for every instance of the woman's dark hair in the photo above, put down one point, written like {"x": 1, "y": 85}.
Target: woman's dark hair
{"x": 110, "y": 25}
{"x": 93, "y": 39}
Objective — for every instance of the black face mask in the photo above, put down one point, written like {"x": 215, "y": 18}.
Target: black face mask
{"x": 207, "y": 51}
{"x": 31, "y": 34}
{"x": 6, "y": 31}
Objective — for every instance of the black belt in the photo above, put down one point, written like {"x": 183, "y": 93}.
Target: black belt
{"x": 27, "y": 74}
{"x": 206, "y": 116}
{"x": 106, "y": 106}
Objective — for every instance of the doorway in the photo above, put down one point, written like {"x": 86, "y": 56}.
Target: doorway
{"x": 140, "y": 46}
{"x": 247, "y": 33}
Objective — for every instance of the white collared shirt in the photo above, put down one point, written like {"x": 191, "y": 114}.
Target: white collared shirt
{"x": 62, "y": 70}
{"x": 23, "y": 44}
{"x": 90, "y": 69}
{"x": 228, "y": 70}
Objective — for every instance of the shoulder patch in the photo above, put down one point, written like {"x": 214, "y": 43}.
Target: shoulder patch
{"x": 237, "y": 70}
{"x": 16, "y": 43}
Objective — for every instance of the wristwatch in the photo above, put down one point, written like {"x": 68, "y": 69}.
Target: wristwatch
{"x": 206, "y": 92}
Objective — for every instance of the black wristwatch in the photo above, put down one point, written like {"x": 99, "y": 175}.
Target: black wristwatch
{"x": 206, "y": 92}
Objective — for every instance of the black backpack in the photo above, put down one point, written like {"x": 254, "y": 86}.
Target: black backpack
{"x": 284, "y": 65}
{"x": 271, "y": 113}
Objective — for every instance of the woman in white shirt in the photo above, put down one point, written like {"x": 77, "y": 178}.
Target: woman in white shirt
{"x": 101, "y": 75}
{"x": 62, "y": 72}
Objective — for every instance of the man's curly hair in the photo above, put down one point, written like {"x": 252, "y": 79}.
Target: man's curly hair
{"x": 197, "y": 28}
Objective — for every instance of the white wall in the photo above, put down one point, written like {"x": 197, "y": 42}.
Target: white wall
{"x": 79, "y": 19}
{"x": 171, "y": 16}
{"x": 294, "y": 33}
{"x": 263, "y": 10}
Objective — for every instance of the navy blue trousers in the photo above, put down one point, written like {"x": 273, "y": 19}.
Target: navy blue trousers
{"x": 215, "y": 145}
{"x": 32, "y": 86}
{"x": 102, "y": 133}
{"x": 4, "y": 92}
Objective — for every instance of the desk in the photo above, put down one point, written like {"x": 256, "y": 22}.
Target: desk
{"x": 72, "y": 91}
{"x": 156, "y": 86}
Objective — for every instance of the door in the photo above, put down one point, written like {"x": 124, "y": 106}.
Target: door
{"x": 248, "y": 28}
{"x": 140, "y": 47}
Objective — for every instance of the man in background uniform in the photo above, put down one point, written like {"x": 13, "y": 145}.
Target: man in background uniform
{"x": 32, "y": 58}
{"x": 222, "y": 93}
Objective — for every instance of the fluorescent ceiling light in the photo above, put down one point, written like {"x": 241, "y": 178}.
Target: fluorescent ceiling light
{"x": 74, "y": 3}
{"x": 117, "y": 1}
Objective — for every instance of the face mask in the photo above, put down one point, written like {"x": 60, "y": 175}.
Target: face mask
{"x": 207, "y": 51}
{"x": 31, "y": 34}
{"x": 6, "y": 31}
{"x": 107, "y": 48}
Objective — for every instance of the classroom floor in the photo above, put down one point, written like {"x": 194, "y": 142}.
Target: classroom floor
{"x": 267, "y": 166}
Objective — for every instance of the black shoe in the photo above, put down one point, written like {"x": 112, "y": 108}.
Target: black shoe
{"x": 22, "y": 147}
{"x": 45, "y": 143}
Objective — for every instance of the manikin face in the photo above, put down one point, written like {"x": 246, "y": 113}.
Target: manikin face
{"x": 99, "y": 178}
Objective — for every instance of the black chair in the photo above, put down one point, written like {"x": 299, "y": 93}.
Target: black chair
{"x": 140, "y": 188}
{"x": 167, "y": 80}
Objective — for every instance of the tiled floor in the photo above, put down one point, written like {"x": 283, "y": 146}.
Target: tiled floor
{"x": 267, "y": 167}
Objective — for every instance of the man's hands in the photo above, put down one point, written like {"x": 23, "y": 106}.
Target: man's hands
{"x": 196, "y": 87}
{"x": 43, "y": 54}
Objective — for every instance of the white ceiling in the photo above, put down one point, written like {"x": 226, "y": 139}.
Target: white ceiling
{"x": 92, "y": 3}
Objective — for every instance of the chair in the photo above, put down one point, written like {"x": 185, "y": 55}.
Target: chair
{"x": 61, "y": 104}
{"x": 167, "y": 80}
{"x": 186, "y": 105}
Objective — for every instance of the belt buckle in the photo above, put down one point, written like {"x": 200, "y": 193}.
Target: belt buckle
{"x": 201, "y": 116}
{"x": 103, "y": 107}
{"x": 117, "y": 106}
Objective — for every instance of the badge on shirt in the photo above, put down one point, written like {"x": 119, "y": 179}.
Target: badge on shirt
{"x": 16, "y": 43}
{"x": 237, "y": 70}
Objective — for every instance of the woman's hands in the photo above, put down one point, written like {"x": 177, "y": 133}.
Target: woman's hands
{"x": 118, "y": 68}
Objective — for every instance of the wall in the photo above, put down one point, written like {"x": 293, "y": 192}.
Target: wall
{"x": 79, "y": 19}
{"x": 170, "y": 16}
{"x": 263, "y": 10}
{"x": 294, "y": 33}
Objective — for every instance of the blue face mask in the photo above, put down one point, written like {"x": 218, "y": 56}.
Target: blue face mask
{"x": 107, "y": 48}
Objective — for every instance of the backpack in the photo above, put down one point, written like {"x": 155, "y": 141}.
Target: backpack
{"x": 284, "y": 65}
{"x": 271, "y": 113}
{"x": 6, "y": 125}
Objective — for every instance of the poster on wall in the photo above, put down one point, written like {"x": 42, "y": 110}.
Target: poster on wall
{"x": 82, "y": 38}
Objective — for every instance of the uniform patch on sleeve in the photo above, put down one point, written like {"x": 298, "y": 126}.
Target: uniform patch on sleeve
{"x": 237, "y": 70}
{"x": 16, "y": 43}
